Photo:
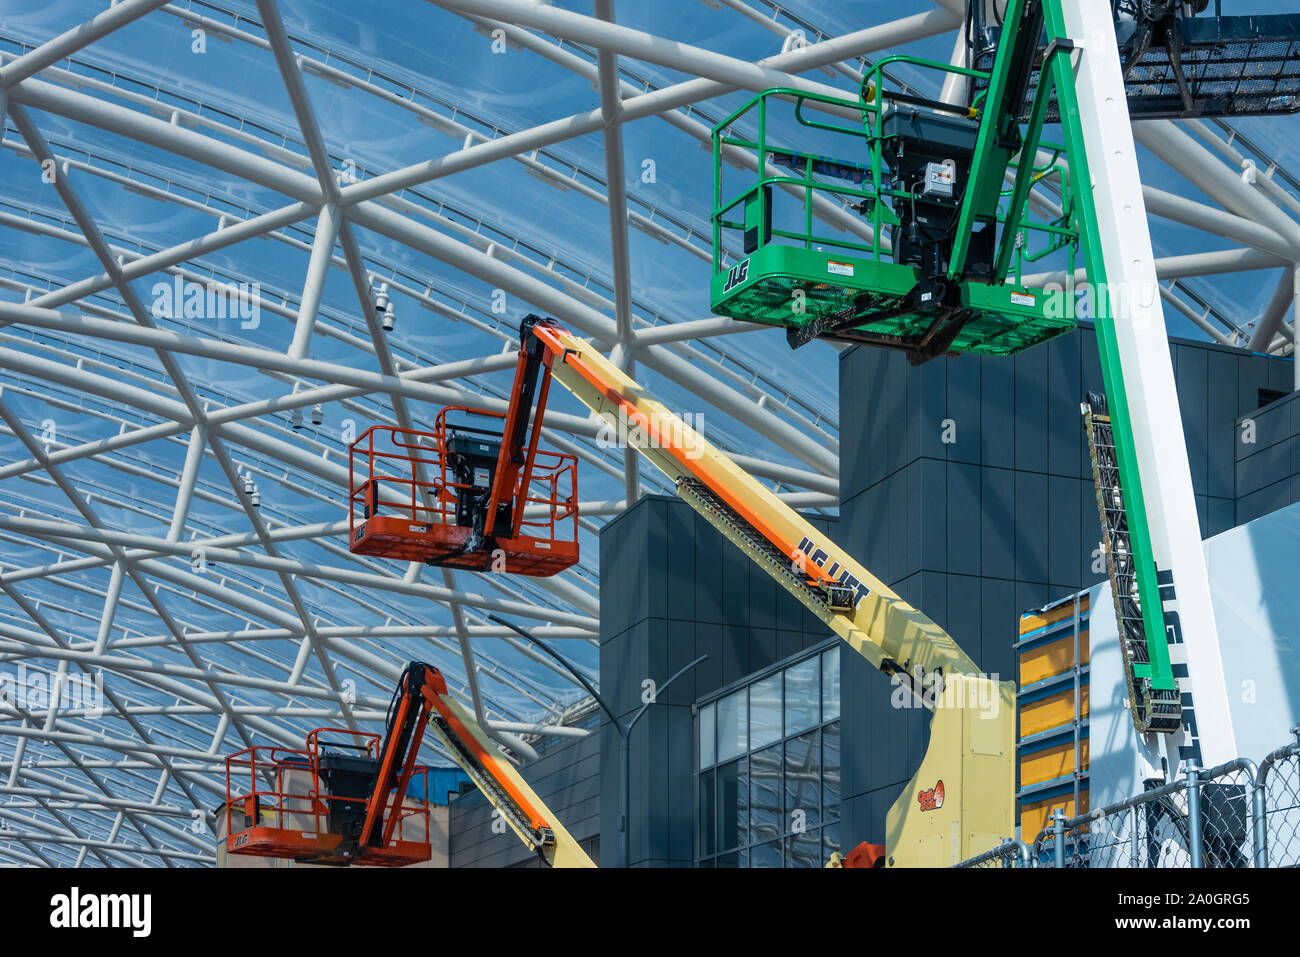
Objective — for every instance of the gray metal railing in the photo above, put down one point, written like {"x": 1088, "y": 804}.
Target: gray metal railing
{"x": 1010, "y": 853}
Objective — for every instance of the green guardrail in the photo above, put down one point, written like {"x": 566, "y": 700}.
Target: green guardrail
{"x": 805, "y": 243}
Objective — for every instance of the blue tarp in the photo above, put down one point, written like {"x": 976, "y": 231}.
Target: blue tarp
{"x": 439, "y": 783}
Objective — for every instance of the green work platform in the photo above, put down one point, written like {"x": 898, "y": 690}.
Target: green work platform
{"x": 790, "y": 248}
{"x": 816, "y": 295}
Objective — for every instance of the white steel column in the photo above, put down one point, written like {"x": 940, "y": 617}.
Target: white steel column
{"x": 189, "y": 476}
{"x": 322, "y": 252}
{"x": 70, "y": 41}
{"x": 1149, "y": 383}
{"x": 615, "y": 183}
{"x": 1295, "y": 353}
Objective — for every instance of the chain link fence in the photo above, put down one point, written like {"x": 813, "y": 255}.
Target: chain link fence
{"x": 1279, "y": 784}
{"x": 1010, "y": 853}
{"x": 1232, "y": 816}
{"x": 1148, "y": 830}
{"x": 1228, "y": 813}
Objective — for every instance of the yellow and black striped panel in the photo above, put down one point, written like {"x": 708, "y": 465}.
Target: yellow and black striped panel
{"x": 1054, "y": 654}
{"x": 1052, "y": 658}
{"x": 1036, "y": 815}
{"x": 1051, "y": 762}
{"x": 1052, "y": 711}
{"x": 1047, "y": 764}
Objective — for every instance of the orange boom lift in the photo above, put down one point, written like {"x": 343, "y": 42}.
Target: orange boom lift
{"x": 476, "y": 492}
{"x": 346, "y": 803}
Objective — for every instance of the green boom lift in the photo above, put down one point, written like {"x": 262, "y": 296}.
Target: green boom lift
{"x": 912, "y": 223}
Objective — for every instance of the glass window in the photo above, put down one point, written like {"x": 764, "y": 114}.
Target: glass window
{"x": 831, "y": 772}
{"x": 804, "y": 850}
{"x": 766, "y": 855}
{"x": 803, "y": 781}
{"x": 733, "y": 725}
{"x": 733, "y": 805}
{"x": 708, "y": 816}
{"x": 766, "y": 790}
{"x": 831, "y": 685}
{"x": 765, "y": 712}
{"x": 831, "y": 840}
{"x": 769, "y": 776}
{"x": 802, "y": 696}
{"x": 707, "y": 737}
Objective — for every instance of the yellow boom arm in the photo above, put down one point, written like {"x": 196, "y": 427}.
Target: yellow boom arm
{"x": 961, "y": 801}
{"x": 508, "y": 793}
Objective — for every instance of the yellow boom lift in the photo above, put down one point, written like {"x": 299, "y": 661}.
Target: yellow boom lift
{"x": 960, "y": 801}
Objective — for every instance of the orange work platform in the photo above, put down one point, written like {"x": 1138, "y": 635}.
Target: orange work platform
{"x": 460, "y": 497}
{"x": 317, "y": 848}
{"x": 308, "y": 805}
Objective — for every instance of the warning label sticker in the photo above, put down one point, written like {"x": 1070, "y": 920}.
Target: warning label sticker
{"x": 1023, "y": 299}
{"x": 839, "y": 269}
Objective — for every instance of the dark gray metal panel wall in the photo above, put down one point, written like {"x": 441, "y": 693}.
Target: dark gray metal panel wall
{"x": 1268, "y": 458}
{"x": 567, "y": 779}
{"x": 962, "y": 529}
{"x": 672, "y": 588}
